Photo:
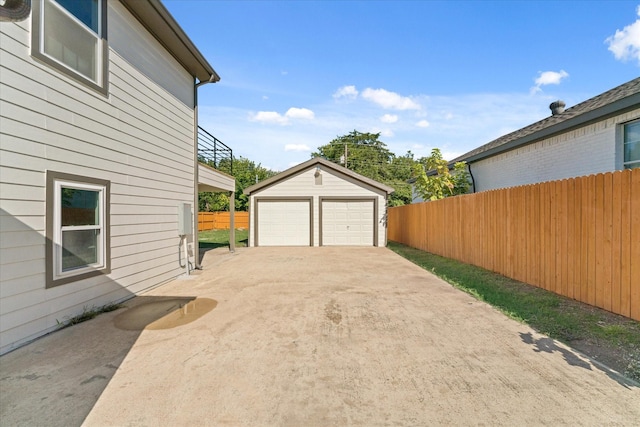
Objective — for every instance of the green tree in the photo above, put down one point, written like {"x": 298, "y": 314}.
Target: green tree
{"x": 401, "y": 170}
{"x": 365, "y": 154}
{"x": 246, "y": 172}
{"x": 434, "y": 180}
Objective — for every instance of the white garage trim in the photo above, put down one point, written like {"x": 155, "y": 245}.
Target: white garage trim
{"x": 288, "y": 221}
{"x": 347, "y": 200}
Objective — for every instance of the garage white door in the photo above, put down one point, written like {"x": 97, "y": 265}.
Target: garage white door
{"x": 347, "y": 223}
{"x": 284, "y": 223}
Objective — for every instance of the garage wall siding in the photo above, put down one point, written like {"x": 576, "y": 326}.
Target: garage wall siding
{"x": 333, "y": 184}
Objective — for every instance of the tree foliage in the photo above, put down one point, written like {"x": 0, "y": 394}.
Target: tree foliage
{"x": 365, "y": 154}
{"x": 246, "y": 172}
{"x": 434, "y": 180}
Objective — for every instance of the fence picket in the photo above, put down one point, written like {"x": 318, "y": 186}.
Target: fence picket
{"x": 616, "y": 234}
{"x": 578, "y": 237}
{"x": 634, "y": 230}
{"x": 221, "y": 220}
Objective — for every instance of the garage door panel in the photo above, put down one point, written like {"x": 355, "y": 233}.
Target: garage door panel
{"x": 347, "y": 223}
{"x": 284, "y": 223}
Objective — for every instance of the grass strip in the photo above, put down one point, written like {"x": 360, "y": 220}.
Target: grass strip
{"x": 558, "y": 317}
{"x": 218, "y": 238}
{"x": 88, "y": 314}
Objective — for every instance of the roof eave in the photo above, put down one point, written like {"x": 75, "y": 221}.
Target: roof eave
{"x": 614, "y": 108}
{"x": 159, "y": 22}
{"x": 310, "y": 163}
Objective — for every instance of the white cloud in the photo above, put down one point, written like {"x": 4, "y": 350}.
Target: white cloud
{"x": 299, "y": 113}
{"x": 548, "y": 78}
{"x": 625, "y": 43}
{"x": 277, "y": 118}
{"x": 349, "y": 92}
{"x": 269, "y": 117}
{"x": 389, "y": 118}
{"x": 387, "y": 133}
{"x": 296, "y": 147}
{"x": 390, "y": 100}
{"x": 423, "y": 124}
{"x": 477, "y": 119}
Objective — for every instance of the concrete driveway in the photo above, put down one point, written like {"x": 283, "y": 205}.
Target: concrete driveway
{"x": 307, "y": 337}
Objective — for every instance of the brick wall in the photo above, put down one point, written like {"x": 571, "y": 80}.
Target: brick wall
{"x": 594, "y": 148}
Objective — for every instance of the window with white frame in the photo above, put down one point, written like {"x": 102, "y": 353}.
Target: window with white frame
{"x": 70, "y": 35}
{"x": 77, "y": 228}
{"x": 632, "y": 145}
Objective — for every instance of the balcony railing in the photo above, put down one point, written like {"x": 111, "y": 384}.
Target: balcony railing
{"x": 213, "y": 152}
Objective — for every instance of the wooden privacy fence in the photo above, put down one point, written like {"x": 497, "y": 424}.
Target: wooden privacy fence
{"x": 221, "y": 220}
{"x": 577, "y": 237}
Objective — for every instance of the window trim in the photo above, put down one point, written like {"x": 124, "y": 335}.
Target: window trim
{"x": 37, "y": 48}
{"x": 626, "y": 162}
{"x": 54, "y": 274}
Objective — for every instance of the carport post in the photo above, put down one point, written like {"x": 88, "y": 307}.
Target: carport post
{"x": 232, "y": 222}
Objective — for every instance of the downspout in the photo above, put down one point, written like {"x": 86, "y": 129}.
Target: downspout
{"x": 473, "y": 181}
{"x": 196, "y": 246}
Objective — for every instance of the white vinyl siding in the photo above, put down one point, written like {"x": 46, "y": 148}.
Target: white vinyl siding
{"x": 334, "y": 184}
{"x": 136, "y": 46}
{"x": 69, "y": 36}
{"x": 139, "y": 137}
{"x": 210, "y": 179}
{"x": 347, "y": 223}
{"x": 283, "y": 222}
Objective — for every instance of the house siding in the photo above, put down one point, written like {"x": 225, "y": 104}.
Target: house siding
{"x": 334, "y": 184}
{"x": 139, "y": 137}
{"x": 587, "y": 150}
{"x": 211, "y": 180}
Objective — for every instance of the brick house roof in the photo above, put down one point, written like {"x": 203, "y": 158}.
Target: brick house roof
{"x": 612, "y": 102}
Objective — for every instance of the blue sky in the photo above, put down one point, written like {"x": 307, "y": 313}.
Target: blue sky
{"x": 425, "y": 74}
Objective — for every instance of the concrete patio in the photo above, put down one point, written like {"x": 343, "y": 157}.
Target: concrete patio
{"x": 307, "y": 337}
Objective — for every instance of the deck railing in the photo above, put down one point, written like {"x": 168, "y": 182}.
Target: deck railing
{"x": 213, "y": 152}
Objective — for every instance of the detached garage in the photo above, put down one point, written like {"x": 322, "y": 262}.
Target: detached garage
{"x": 318, "y": 203}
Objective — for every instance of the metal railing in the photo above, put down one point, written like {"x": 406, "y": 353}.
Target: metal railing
{"x": 213, "y": 152}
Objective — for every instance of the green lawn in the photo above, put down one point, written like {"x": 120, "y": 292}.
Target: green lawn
{"x": 607, "y": 336}
{"x": 220, "y": 238}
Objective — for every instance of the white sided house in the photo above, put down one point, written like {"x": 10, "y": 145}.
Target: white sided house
{"x": 318, "y": 203}
{"x": 99, "y": 170}
{"x": 599, "y": 135}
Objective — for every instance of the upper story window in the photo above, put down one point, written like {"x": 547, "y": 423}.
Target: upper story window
{"x": 70, "y": 35}
{"x": 632, "y": 145}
